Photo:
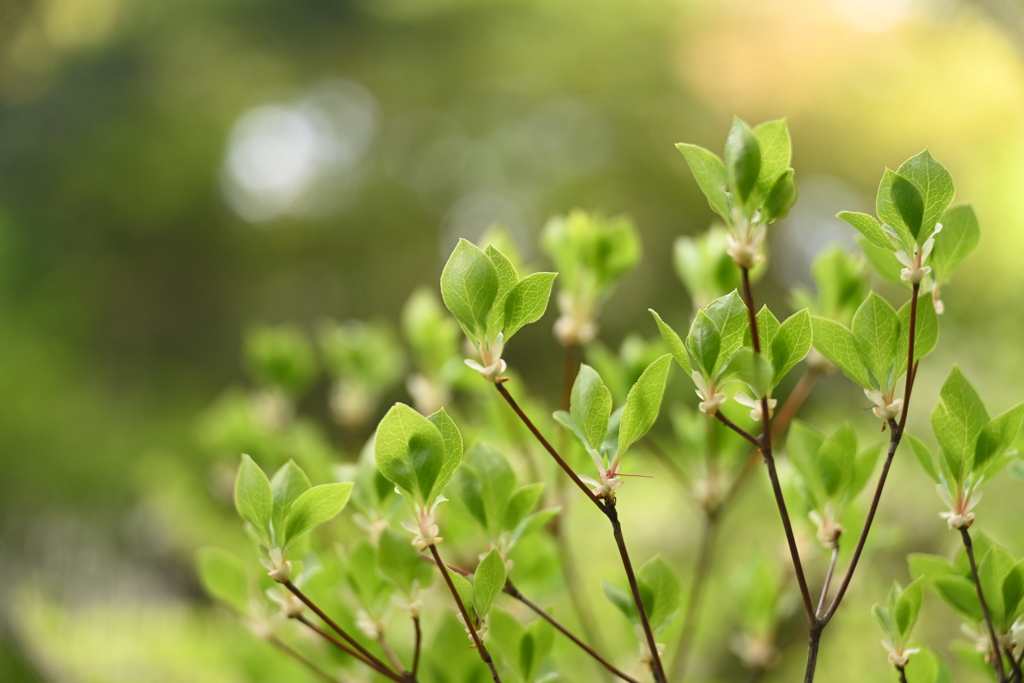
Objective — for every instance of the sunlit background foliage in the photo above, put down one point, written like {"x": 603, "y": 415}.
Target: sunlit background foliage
{"x": 175, "y": 174}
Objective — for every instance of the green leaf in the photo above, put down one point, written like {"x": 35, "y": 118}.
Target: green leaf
{"x": 866, "y": 462}
{"x": 884, "y": 620}
{"x": 591, "y": 406}
{"x": 223, "y": 576}
{"x": 997, "y": 436}
{"x": 253, "y": 498}
{"x": 959, "y": 237}
{"x": 486, "y": 484}
{"x": 729, "y": 314}
{"x": 836, "y": 462}
{"x": 957, "y": 420}
{"x": 926, "y": 331}
{"x": 704, "y": 342}
{"x": 929, "y": 567}
{"x": 923, "y": 456}
{"x": 314, "y": 507}
{"x": 876, "y": 328}
{"x": 451, "y": 440}
{"x": 287, "y": 484}
{"x": 960, "y": 594}
{"x": 750, "y": 368}
{"x": 781, "y": 198}
{"x": 934, "y": 186}
{"x": 643, "y": 403}
{"x": 802, "y": 446}
{"x": 709, "y": 172}
{"x": 469, "y": 286}
{"x": 791, "y": 344}
{"x": 1013, "y": 591}
{"x": 622, "y": 600}
{"x": 488, "y": 581}
{"x": 505, "y": 631}
{"x": 410, "y": 452}
{"x": 908, "y": 606}
{"x": 522, "y": 501}
{"x": 837, "y": 343}
{"x": 507, "y": 279}
{"x": 767, "y": 327}
{"x": 527, "y": 301}
{"x": 742, "y": 160}
{"x": 868, "y": 227}
{"x": 660, "y": 590}
{"x": 399, "y": 561}
{"x": 673, "y": 342}
{"x": 776, "y": 151}
{"x": 465, "y": 591}
{"x": 896, "y": 196}
{"x": 993, "y": 568}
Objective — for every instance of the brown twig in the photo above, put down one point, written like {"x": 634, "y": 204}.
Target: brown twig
{"x": 416, "y": 647}
{"x": 510, "y": 589}
{"x": 367, "y": 657}
{"x": 470, "y": 623}
{"x": 997, "y": 653}
{"x": 317, "y": 671}
{"x": 828, "y": 580}
{"x": 378, "y": 667}
{"x": 765, "y": 445}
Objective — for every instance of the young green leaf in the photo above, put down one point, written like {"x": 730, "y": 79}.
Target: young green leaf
{"x": 643, "y": 403}
{"x": 398, "y": 560}
{"x": 465, "y": 590}
{"x": 469, "y": 286}
{"x": 287, "y": 484}
{"x": 485, "y": 484}
{"x": 622, "y": 600}
{"x": 960, "y": 594}
{"x": 776, "y": 151}
{"x": 781, "y": 197}
{"x": 837, "y": 343}
{"x": 876, "y": 329}
{"x": 224, "y": 578}
{"x": 704, "y": 343}
{"x": 957, "y": 420}
{"x": 742, "y": 160}
{"x": 527, "y": 301}
{"x": 674, "y": 343}
{"x": 891, "y": 212}
{"x": 908, "y": 606}
{"x": 253, "y": 498}
{"x": 660, "y": 591}
{"x": 958, "y": 238}
{"x": 997, "y": 436}
{"x": 790, "y": 344}
{"x": 410, "y": 452}
{"x": 868, "y": 227}
{"x": 836, "y": 461}
{"x": 729, "y": 314}
{"x": 314, "y": 507}
{"x": 591, "y": 406}
{"x": 709, "y": 172}
{"x": 923, "y": 456}
{"x": 488, "y": 580}
{"x": 934, "y": 185}
{"x": 451, "y": 440}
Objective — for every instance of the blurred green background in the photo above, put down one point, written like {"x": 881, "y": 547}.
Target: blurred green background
{"x": 172, "y": 173}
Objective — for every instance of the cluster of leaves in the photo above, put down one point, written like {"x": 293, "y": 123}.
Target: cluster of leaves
{"x": 484, "y": 292}
{"x": 591, "y": 253}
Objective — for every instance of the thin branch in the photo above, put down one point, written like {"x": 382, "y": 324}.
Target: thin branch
{"x": 514, "y": 592}
{"x": 416, "y": 647}
{"x": 500, "y": 386}
{"x": 828, "y": 580}
{"x": 766, "y": 451}
{"x": 470, "y": 624}
{"x": 656, "y": 667}
{"x": 895, "y": 434}
{"x": 736, "y": 428}
{"x": 301, "y": 659}
{"x": 379, "y": 668}
{"x": 903, "y": 674}
{"x": 997, "y": 653}
{"x": 700, "y": 575}
{"x": 608, "y": 508}
{"x": 392, "y": 657}
{"x": 368, "y": 658}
